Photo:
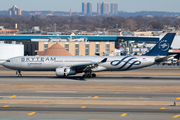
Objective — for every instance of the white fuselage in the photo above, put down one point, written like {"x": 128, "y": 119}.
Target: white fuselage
{"x": 50, "y": 63}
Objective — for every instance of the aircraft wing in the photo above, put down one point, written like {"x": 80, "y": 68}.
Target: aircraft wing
{"x": 86, "y": 66}
{"x": 161, "y": 59}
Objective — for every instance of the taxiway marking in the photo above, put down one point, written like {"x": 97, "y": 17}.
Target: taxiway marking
{"x": 124, "y": 114}
{"x": 176, "y": 116}
{"x": 13, "y": 96}
{"x": 95, "y": 97}
{"x": 178, "y": 98}
{"x": 31, "y": 113}
{"x": 6, "y": 106}
{"x": 163, "y": 108}
{"x": 83, "y": 107}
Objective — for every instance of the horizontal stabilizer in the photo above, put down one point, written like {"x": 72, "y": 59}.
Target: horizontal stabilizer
{"x": 162, "y": 59}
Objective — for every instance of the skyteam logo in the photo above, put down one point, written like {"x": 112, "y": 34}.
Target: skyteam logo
{"x": 126, "y": 63}
{"x": 164, "y": 45}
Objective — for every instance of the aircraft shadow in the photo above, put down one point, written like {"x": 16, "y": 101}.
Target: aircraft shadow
{"x": 80, "y": 78}
{"x": 139, "y": 78}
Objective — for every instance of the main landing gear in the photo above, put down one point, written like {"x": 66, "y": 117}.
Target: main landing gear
{"x": 89, "y": 75}
{"x": 18, "y": 73}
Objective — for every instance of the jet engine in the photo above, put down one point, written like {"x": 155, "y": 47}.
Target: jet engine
{"x": 65, "y": 71}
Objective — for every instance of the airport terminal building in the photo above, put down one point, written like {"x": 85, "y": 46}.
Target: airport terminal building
{"x": 105, "y": 44}
{"x": 81, "y": 48}
{"x": 83, "y": 45}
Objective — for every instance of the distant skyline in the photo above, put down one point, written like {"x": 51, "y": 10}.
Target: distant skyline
{"x": 76, "y": 5}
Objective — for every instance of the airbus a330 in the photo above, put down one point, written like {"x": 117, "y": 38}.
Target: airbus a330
{"x": 71, "y": 65}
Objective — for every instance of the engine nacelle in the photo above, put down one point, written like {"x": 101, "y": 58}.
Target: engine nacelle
{"x": 65, "y": 71}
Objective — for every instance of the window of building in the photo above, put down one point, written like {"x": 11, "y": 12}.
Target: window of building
{"x": 36, "y": 45}
{"x": 97, "y": 48}
{"x": 45, "y": 46}
{"x": 107, "y": 48}
{"x": 87, "y": 49}
{"x": 67, "y": 46}
{"x": 76, "y": 49}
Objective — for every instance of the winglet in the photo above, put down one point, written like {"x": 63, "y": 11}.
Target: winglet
{"x": 104, "y": 60}
{"x": 162, "y": 47}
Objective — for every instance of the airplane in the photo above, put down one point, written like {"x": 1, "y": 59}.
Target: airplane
{"x": 65, "y": 66}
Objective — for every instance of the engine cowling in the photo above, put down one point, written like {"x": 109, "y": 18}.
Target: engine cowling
{"x": 65, "y": 71}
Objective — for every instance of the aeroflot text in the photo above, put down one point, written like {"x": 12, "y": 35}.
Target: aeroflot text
{"x": 37, "y": 59}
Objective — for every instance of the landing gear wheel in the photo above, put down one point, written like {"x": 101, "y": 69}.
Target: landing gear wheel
{"x": 93, "y": 75}
{"x": 18, "y": 73}
{"x": 89, "y": 75}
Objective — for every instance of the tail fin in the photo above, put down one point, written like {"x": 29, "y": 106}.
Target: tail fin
{"x": 162, "y": 47}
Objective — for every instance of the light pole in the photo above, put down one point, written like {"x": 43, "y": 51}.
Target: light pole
{"x": 55, "y": 27}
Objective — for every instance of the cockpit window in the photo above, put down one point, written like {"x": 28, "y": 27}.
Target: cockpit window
{"x": 8, "y": 61}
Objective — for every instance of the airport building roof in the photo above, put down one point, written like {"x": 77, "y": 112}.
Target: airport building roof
{"x": 90, "y": 38}
{"x": 55, "y": 50}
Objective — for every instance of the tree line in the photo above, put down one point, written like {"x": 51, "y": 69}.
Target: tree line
{"x": 86, "y": 23}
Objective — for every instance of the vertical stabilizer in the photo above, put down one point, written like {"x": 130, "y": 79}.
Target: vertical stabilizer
{"x": 162, "y": 47}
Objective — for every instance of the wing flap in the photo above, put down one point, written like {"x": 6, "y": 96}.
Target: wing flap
{"x": 84, "y": 65}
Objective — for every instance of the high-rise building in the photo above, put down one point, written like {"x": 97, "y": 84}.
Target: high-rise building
{"x": 103, "y": 8}
{"x": 70, "y": 13}
{"x": 15, "y": 11}
{"x": 99, "y": 8}
{"x": 87, "y": 8}
{"x": 84, "y": 7}
{"x": 114, "y": 8}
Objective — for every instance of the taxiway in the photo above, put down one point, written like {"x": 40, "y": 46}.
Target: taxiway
{"x": 128, "y": 97}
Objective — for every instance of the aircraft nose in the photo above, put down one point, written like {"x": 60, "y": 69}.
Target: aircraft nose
{"x": 3, "y": 64}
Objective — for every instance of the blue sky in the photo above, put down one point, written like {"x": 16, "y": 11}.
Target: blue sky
{"x": 75, "y": 5}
